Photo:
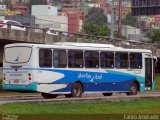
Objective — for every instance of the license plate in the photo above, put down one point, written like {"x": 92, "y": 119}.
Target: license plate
{"x": 16, "y": 81}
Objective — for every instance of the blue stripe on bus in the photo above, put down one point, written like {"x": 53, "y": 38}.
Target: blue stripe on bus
{"x": 89, "y": 87}
{"x": 30, "y": 87}
{"x": 94, "y": 81}
{"x": 100, "y": 77}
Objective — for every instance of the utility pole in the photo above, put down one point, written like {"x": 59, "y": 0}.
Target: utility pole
{"x": 120, "y": 17}
{"x": 112, "y": 18}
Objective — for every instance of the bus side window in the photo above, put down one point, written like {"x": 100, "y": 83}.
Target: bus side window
{"x": 91, "y": 59}
{"x": 75, "y": 59}
{"x": 107, "y": 59}
{"x": 45, "y": 58}
{"x": 59, "y": 59}
{"x": 135, "y": 60}
{"x": 121, "y": 60}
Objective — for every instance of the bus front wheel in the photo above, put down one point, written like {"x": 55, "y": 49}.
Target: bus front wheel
{"x": 76, "y": 90}
{"x": 133, "y": 89}
{"x": 48, "y": 96}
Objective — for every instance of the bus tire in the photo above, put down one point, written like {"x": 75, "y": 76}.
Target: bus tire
{"x": 48, "y": 96}
{"x": 68, "y": 95}
{"x": 133, "y": 89}
{"x": 76, "y": 90}
{"x": 107, "y": 94}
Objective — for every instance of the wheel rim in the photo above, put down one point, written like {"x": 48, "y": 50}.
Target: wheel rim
{"x": 77, "y": 90}
{"x": 134, "y": 89}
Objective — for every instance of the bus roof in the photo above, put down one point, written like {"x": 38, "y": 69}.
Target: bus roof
{"x": 95, "y": 45}
{"x": 81, "y": 46}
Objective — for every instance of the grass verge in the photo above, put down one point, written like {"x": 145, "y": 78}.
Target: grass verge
{"x": 157, "y": 82}
{"x": 149, "y": 106}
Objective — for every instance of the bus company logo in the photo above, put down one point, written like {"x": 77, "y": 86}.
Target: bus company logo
{"x": 84, "y": 75}
{"x": 91, "y": 77}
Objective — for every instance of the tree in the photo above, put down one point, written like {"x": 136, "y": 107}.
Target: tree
{"x": 117, "y": 35}
{"x": 93, "y": 29}
{"x": 96, "y": 16}
{"x": 95, "y": 23}
{"x": 154, "y": 35}
{"x": 130, "y": 20}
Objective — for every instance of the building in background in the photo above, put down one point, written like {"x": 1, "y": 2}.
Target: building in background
{"x": 130, "y": 32}
{"x": 73, "y": 22}
{"x": 22, "y": 9}
{"x": 14, "y": 2}
{"x": 126, "y": 8}
{"x": 46, "y": 16}
{"x": 19, "y": 2}
{"x": 47, "y": 10}
{"x": 27, "y": 20}
{"x": 71, "y": 4}
{"x": 59, "y": 23}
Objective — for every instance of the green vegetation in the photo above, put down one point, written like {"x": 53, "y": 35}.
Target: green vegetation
{"x": 130, "y": 20}
{"x": 149, "y": 106}
{"x": 154, "y": 35}
{"x": 157, "y": 82}
{"x": 94, "y": 29}
{"x": 96, "y": 16}
{"x": 95, "y": 23}
{"x": 117, "y": 35}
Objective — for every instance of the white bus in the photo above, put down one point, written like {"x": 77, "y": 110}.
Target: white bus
{"x": 76, "y": 68}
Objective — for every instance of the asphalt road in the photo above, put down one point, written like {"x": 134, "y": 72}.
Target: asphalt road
{"x": 85, "y": 98}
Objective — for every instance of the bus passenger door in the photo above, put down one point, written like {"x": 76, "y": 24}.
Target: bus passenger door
{"x": 148, "y": 73}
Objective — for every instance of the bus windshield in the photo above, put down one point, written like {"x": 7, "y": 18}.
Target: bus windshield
{"x": 17, "y": 55}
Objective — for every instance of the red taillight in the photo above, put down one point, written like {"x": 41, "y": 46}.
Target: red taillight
{"x": 29, "y": 75}
{"x": 30, "y": 78}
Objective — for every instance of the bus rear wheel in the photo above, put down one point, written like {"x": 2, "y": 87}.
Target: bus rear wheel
{"x": 107, "y": 94}
{"x": 133, "y": 89}
{"x": 48, "y": 96}
{"x": 76, "y": 90}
